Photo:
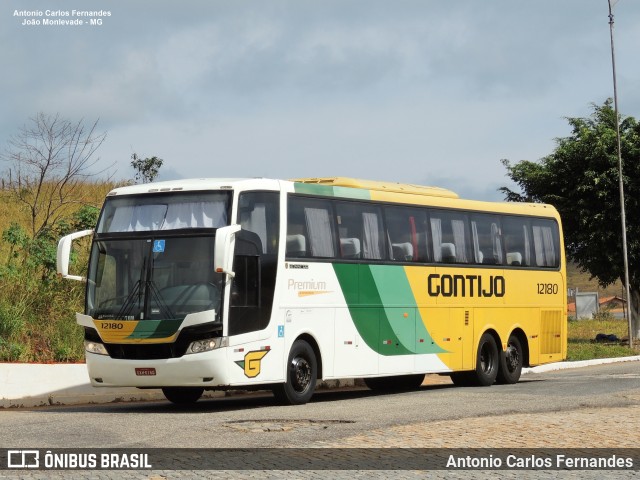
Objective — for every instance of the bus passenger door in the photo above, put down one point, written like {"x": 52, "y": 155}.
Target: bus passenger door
{"x": 255, "y": 263}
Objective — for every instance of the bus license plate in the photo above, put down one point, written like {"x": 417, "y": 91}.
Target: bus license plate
{"x": 145, "y": 372}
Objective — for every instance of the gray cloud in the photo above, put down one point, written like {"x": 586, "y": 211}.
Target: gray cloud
{"x": 388, "y": 90}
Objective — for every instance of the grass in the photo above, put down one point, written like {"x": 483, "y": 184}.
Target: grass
{"x": 582, "y": 333}
{"x": 581, "y": 343}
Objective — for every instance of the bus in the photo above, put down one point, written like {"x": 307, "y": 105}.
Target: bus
{"x": 208, "y": 284}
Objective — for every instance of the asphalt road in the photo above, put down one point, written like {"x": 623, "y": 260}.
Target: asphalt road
{"x": 254, "y": 419}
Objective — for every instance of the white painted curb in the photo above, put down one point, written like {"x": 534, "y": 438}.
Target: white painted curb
{"x": 550, "y": 367}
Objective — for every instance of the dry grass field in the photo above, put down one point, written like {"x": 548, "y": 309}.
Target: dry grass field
{"x": 37, "y": 321}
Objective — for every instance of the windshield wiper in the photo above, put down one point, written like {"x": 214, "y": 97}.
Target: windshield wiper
{"x": 125, "y": 311}
{"x": 129, "y": 303}
{"x": 153, "y": 291}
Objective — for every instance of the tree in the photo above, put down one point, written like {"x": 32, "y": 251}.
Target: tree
{"x": 580, "y": 178}
{"x": 146, "y": 168}
{"x": 51, "y": 159}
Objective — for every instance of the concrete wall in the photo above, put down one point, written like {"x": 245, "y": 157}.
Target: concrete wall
{"x": 31, "y": 385}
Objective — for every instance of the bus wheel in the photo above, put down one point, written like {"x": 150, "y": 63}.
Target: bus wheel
{"x": 487, "y": 361}
{"x": 302, "y": 372}
{"x": 510, "y": 362}
{"x": 394, "y": 384}
{"x": 182, "y": 395}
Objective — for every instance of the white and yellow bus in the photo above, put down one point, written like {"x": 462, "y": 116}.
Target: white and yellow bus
{"x": 239, "y": 283}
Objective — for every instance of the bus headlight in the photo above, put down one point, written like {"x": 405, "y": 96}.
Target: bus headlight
{"x": 207, "y": 345}
{"x": 95, "y": 347}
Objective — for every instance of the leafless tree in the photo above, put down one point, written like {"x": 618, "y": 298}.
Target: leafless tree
{"x": 51, "y": 158}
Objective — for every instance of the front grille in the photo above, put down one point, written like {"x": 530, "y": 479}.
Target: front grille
{"x": 146, "y": 352}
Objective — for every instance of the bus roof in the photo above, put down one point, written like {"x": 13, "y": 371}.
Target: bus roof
{"x": 392, "y": 187}
{"x": 194, "y": 184}
{"x": 343, "y": 187}
{"x": 414, "y": 194}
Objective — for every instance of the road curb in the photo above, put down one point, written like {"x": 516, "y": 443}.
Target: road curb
{"x": 34, "y": 385}
{"x": 550, "y": 367}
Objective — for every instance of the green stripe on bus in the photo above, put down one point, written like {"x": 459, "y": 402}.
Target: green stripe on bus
{"x": 155, "y": 329}
{"x": 383, "y": 309}
{"x": 331, "y": 191}
{"x": 397, "y": 300}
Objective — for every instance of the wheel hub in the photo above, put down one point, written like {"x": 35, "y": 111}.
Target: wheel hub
{"x": 486, "y": 360}
{"x": 301, "y": 374}
{"x": 513, "y": 359}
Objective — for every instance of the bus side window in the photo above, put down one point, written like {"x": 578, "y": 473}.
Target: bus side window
{"x": 259, "y": 212}
{"x": 487, "y": 239}
{"x": 360, "y": 231}
{"x": 546, "y": 242}
{"x": 406, "y": 234}
{"x": 310, "y": 228}
{"x": 450, "y": 237}
{"x": 517, "y": 241}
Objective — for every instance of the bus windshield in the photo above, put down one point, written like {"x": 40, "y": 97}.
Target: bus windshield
{"x": 152, "y": 256}
{"x": 161, "y": 278}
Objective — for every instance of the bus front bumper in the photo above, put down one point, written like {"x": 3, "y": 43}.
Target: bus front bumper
{"x": 207, "y": 369}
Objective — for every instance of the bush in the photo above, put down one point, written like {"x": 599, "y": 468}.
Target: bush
{"x": 11, "y": 321}
{"x": 37, "y": 321}
{"x": 11, "y": 352}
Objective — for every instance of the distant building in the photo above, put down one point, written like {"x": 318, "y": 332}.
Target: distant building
{"x": 614, "y": 305}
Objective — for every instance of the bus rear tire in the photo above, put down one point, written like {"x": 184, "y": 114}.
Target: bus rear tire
{"x": 302, "y": 373}
{"x": 487, "y": 366}
{"x": 182, "y": 395}
{"x": 510, "y": 362}
{"x": 394, "y": 384}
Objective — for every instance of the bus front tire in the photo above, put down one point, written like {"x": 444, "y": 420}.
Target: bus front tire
{"x": 302, "y": 372}
{"x": 510, "y": 362}
{"x": 182, "y": 395}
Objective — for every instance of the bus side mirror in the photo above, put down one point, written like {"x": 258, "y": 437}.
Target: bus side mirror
{"x": 64, "y": 253}
{"x": 223, "y": 250}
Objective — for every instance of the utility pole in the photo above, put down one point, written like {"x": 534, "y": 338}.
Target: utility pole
{"x": 621, "y": 183}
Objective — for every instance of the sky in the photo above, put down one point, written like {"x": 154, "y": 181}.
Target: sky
{"x": 416, "y": 91}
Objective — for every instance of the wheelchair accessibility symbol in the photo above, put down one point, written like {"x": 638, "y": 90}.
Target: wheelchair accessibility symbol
{"x": 158, "y": 246}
